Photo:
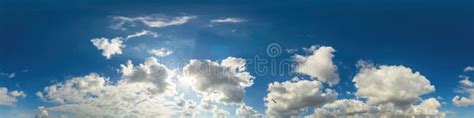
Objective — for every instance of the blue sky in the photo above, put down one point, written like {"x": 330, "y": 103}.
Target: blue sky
{"x": 46, "y": 43}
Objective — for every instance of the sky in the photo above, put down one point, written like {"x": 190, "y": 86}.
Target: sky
{"x": 218, "y": 58}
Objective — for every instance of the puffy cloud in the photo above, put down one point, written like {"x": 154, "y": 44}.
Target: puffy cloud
{"x": 245, "y": 111}
{"x": 42, "y": 113}
{"x": 397, "y": 85}
{"x": 224, "y": 82}
{"x": 145, "y": 90}
{"x": 391, "y": 91}
{"x": 469, "y": 69}
{"x": 74, "y": 89}
{"x": 149, "y": 72}
{"x": 319, "y": 64}
{"x": 151, "y": 21}
{"x": 428, "y": 107}
{"x": 92, "y": 95}
{"x": 467, "y": 87}
{"x": 10, "y": 98}
{"x": 114, "y": 46}
{"x": 161, "y": 52}
{"x": 109, "y": 47}
{"x": 466, "y": 82}
{"x": 227, "y": 20}
{"x": 289, "y": 99}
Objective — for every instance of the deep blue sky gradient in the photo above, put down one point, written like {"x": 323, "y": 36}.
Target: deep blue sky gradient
{"x": 51, "y": 39}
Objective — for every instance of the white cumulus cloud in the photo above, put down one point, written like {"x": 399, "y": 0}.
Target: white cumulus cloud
{"x": 318, "y": 65}
{"x": 224, "y": 82}
{"x": 396, "y": 85}
{"x": 150, "y": 72}
{"x": 109, "y": 47}
{"x": 9, "y": 98}
{"x": 290, "y": 99}
{"x": 144, "y": 90}
{"x": 428, "y": 107}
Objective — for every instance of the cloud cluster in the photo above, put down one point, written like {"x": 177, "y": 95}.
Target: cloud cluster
{"x": 144, "y": 90}
{"x": 289, "y": 99}
{"x": 390, "y": 91}
{"x": 9, "y": 98}
{"x": 74, "y": 89}
{"x": 148, "y": 89}
{"x": 396, "y": 85}
{"x": 318, "y": 65}
{"x": 109, "y": 47}
{"x": 357, "y": 108}
{"x": 227, "y": 20}
{"x": 467, "y": 87}
{"x": 245, "y": 111}
{"x": 151, "y": 21}
{"x": 224, "y": 82}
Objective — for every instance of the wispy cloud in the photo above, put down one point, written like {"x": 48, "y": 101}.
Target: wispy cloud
{"x": 161, "y": 52}
{"x": 8, "y": 75}
{"x": 228, "y": 20}
{"x": 150, "y": 21}
{"x": 142, "y": 33}
{"x": 469, "y": 69}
